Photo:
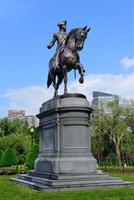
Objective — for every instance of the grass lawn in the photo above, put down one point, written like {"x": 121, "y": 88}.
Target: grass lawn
{"x": 10, "y": 191}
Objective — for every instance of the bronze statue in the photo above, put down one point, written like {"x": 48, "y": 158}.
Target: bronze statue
{"x": 66, "y": 57}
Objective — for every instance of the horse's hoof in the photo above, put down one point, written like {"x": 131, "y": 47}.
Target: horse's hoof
{"x": 81, "y": 80}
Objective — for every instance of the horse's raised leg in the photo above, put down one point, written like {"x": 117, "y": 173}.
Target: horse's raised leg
{"x": 65, "y": 78}
{"x": 81, "y": 70}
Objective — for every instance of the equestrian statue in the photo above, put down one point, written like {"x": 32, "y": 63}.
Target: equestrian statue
{"x": 66, "y": 57}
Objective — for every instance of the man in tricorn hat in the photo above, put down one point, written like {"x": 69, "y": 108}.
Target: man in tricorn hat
{"x": 60, "y": 37}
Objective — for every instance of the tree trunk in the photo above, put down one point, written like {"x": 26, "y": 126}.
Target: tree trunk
{"x": 118, "y": 154}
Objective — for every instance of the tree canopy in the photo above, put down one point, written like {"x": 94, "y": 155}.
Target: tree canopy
{"x": 115, "y": 125}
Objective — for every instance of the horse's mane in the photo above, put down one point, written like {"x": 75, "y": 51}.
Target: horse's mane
{"x": 72, "y": 32}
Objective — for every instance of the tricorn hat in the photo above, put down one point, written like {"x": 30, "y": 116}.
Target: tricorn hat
{"x": 62, "y": 23}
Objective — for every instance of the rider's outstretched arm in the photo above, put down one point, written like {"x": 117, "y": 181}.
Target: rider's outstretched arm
{"x": 51, "y": 44}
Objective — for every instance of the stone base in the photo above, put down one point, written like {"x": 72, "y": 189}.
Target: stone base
{"x": 63, "y": 182}
{"x": 65, "y": 139}
{"x": 66, "y": 165}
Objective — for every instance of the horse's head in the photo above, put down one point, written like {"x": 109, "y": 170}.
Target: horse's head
{"x": 81, "y": 35}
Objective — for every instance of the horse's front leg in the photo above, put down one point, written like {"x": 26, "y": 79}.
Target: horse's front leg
{"x": 65, "y": 78}
{"x": 81, "y": 70}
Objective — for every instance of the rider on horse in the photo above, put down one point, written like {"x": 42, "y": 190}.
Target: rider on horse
{"x": 60, "y": 37}
{"x": 66, "y": 57}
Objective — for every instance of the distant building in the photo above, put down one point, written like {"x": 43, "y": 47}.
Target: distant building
{"x": 20, "y": 114}
{"x": 32, "y": 120}
{"x": 16, "y": 114}
{"x": 101, "y": 100}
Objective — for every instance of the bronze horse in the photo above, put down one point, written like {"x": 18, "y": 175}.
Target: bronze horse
{"x": 68, "y": 59}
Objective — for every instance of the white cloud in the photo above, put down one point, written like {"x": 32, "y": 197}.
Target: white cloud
{"x": 127, "y": 62}
{"x": 122, "y": 85}
{"x": 31, "y": 98}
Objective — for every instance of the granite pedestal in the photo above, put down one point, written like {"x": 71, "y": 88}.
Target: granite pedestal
{"x": 65, "y": 160}
{"x": 65, "y": 136}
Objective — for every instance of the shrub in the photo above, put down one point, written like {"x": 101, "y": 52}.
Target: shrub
{"x": 9, "y": 158}
{"x": 12, "y": 141}
{"x": 31, "y": 156}
{"x": 111, "y": 160}
{"x": 1, "y": 153}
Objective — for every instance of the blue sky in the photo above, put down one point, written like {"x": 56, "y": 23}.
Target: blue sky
{"x": 27, "y": 27}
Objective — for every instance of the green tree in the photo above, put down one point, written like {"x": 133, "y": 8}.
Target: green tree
{"x": 1, "y": 153}
{"x": 130, "y": 115}
{"x": 127, "y": 145}
{"x": 16, "y": 126}
{"x": 101, "y": 145}
{"x": 21, "y": 143}
{"x": 111, "y": 159}
{"x": 31, "y": 156}
{"x": 20, "y": 126}
{"x": 33, "y": 132}
{"x": 15, "y": 134}
{"x": 6, "y": 127}
{"x": 9, "y": 158}
{"x": 114, "y": 124}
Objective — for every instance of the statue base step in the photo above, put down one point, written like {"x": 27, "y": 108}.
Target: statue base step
{"x": 63, "y": 182}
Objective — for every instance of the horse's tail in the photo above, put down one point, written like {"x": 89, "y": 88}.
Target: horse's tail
{"x": 50, "y": 73}
{"x": 49, "y": 79}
